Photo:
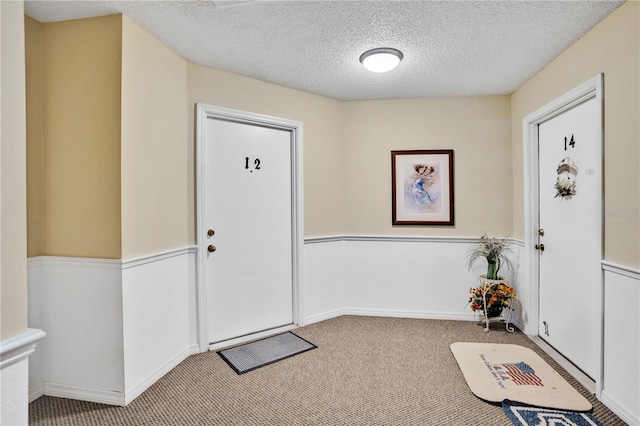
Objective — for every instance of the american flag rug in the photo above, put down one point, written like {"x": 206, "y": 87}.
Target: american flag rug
{"x": 525, "y": 415}
{"x": 498, "y": 372}
{"x": 520, "y": 373}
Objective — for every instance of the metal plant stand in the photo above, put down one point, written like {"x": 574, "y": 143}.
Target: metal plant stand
{"x": 486, "y": 284}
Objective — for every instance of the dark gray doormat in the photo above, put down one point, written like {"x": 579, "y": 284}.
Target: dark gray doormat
{"x": 264, "y": 352}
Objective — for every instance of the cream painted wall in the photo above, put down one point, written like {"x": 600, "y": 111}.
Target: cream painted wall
{"x": 324, "y": 196}
{"x": 612, "y": 47}
{"x": 343, "y": 142}
{"x": 13, "y": 185}
{"x": 478, "y": 129}
{"x": 33, "y": 59}
{"x": 81, "y": 137}
{"x": 347, "y": 152}
{"x": 155, "y": 168}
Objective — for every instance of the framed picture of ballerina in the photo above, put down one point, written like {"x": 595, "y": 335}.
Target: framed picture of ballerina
{"x": 422, "y": 187}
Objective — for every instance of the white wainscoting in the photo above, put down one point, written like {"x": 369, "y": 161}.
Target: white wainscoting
{"x": 13, "y": 393}
{"x": 34, "y": 300}
{"x": 113, "y": 327}
{"x": 407, "y": 277}
{"x": 324, "y": 281}
{"x": 14, "y": 376}
{"x": 80, "y": 308}
{"x": 621, "y": 334}
{"x": 156, "y": 317}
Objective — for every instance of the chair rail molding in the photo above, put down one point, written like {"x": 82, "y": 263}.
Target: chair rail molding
{"x": 616, "y": 268}
{"x": 19, "y": 347}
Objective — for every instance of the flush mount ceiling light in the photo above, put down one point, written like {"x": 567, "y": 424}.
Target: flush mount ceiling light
{"x": 382, "y": 59}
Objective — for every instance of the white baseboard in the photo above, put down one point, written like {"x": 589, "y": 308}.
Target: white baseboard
{"x": 391, "y": 313}
{"x": 36, "y": 392}
{"x": 619, "y": 410}
{"x": 109, "y": 397}
{"x": 84, "y": 394}
{"x": 323, "y": 316}
{"x": 132, "y": 394}
{"x": 194, "y": 349}
{"x": 445, "y": 316}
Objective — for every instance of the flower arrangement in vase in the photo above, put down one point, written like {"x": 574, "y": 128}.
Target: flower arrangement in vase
{"x": 496, "y": 251}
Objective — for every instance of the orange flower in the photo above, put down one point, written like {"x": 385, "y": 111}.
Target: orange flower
{"x": 496, "y": 295}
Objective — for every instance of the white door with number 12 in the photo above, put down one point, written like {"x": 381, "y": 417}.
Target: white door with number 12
{"x": 248, "y": 211}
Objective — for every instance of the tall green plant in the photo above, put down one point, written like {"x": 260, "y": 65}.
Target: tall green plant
{"x": 495, "y": 250}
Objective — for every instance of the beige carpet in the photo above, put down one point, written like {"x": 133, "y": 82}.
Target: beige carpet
{"x": 365, "y": 371}
{"x": 495, "y": 372}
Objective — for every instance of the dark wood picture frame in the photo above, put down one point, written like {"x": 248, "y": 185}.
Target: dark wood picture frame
{"x": 422, "y": 187}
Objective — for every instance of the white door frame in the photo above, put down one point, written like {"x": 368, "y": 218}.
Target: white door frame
{"x": 203, "y": 113}
{"x": 592, "y": 88}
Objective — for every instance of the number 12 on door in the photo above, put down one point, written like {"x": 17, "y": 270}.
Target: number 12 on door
{"x": 256, "y": 164}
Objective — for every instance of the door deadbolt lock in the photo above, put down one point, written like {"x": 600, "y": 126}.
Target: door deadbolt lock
{"x": 210, "y": 232}
{"x": 540, "y": 247}
{"x": 211, "y": 248}
{"x": 541, "y": 232}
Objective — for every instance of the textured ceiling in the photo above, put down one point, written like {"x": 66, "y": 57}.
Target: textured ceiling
{"x": 451, "y": 48}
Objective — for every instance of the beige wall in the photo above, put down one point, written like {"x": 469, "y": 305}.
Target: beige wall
{"x": 346, "y": 145}
{"x": 155, "y": 167}
{"x": 33, "y": 59}
{"x": 612, "y": 48}
{"x": 347, "y": 176}
{"x": 477, "y": 129}
{"x": 324, "y": 205}
{"x": 81, "y": 137}
{"x": 13, "y": 193}
{"x": 108, "y": 166}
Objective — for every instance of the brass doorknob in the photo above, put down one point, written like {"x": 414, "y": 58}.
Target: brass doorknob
{"x": 540, "y": 247}
{"x": 211, "y": 248}
{"x": 210, "y": 232}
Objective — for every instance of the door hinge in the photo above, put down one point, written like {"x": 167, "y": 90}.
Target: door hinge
{"x": 546, "y": 328}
